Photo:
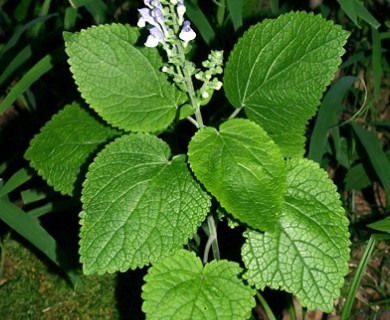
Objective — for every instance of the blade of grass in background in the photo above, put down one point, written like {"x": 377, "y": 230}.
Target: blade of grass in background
{"x": 327, "y": 116}
{"x": 30, "y": 229}
{"x": 200, "y": 21}
{"x": 376, "y": 62}
{"x": 235, "y": 9}
{"x": 221, "y": 11}
{"x": 360, "y": 270}
{"x": 381, "y": 225}
{"x": 14, "y": 39}
{"x": 365, "y": 15}
{"x": 266, "y": 307}
{"x": 22, "y": 57}
{"x": 378, "y": 159}
{"x": 70, "y": 18}
{"x": 348, "y": 7}
{"x": 274, "y": 6}
{"x": 18, "y": 178}
{"x": 39, "y": 69}
{"x": 55, "y": 206}
{"x": 97, "y": 8}
{"x": 354, "y": 10}
{"x": 38, "y": 28}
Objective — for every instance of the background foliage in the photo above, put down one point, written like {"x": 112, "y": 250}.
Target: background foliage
{"x": 35, "y": 83}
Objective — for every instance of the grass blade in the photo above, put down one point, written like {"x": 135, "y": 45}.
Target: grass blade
{"x": 355, "y": 9}
{"x": 235, "y": 9}
{"x": 39, "y": 69}
{"x": 70, "y": 18}
{"x": 23, "y": 56}
{"x": 17, "y": 179}
{"x": 97, "y": 8}
{"x": 274, "y": 6}
{"x": 348, "y": 7}
{"x": 357, "y": 279}
{"x": 266, "y": 307}
{"x": 378, "y": 159}
{"x": 327, "y": 116}
{"x": 365, "y": 15}
{"x": 381, "y": 225}
{"x": 14, "y": 39}
{"x": 29, "y": 228}
{"x": 376, "y": 62}
{"x": 198, "y": 18}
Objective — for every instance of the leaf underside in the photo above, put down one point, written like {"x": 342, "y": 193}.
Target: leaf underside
{"x": 66, "y": 144}
{"x": 121, "y": 82}
{"x": 179, "y": 287}
{"x": 243, "y": 168}
{"x": 308, "y": 253}
{"x": 279, "y": 70}
{"x": 138, "y": 206}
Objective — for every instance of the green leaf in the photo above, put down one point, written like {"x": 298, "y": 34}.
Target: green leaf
{"x": 278, "y": 71}
{"x": 179, "y": 287}
{"x": 308, "y": 253}
{"x": 138, "y": 206}
{"x": 243, "y": 168}
{"x": 30, "y": 229}
{"x": 122, "y": 83}
{"x": 66, "y": 144}
{"x": 381, "y": 225}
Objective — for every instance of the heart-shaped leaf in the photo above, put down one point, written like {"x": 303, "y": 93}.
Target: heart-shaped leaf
{"x": 121, "y": 82}
{"x": 66, "y": 144}
{"x": 138, "y": 206}
{"x": 243, "y": 168}
{"x": 179, "y": 287}
{"x": 308, "y": 253}
{"x": 279, "y": 70}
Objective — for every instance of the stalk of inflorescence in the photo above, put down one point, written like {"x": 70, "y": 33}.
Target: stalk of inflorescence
{"x": 167, "y": 27}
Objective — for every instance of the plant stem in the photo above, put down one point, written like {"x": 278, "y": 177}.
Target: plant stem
{"x": 189, "y": 85}
{"x": 212, "y": 241}
{"x": 235, "y": 112}
{"x": 265, "y": 305}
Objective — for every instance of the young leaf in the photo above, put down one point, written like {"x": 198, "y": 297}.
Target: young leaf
{"x": 243, "y": 168}
{"x": 138, "y": 206}
{"x": 65, "y": 144}
{"x": 278, "y": 71}
{"x": 179, "y": 287}
{"x": 121, "y": 82}
{"x": 307, "y": 255}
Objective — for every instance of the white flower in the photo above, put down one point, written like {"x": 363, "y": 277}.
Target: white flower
{"x": 156, "y": 36}
{"x": 187, "y": 34}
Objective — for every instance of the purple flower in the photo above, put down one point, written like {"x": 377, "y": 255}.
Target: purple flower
{"x": 158, "y": 17}
{"x": 187, "y": 34}
{"x": 146, "y": 17}
{"x": 155, "y": 37}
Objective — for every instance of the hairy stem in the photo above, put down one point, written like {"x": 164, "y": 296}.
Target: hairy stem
{"x": 212, "y": 242}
